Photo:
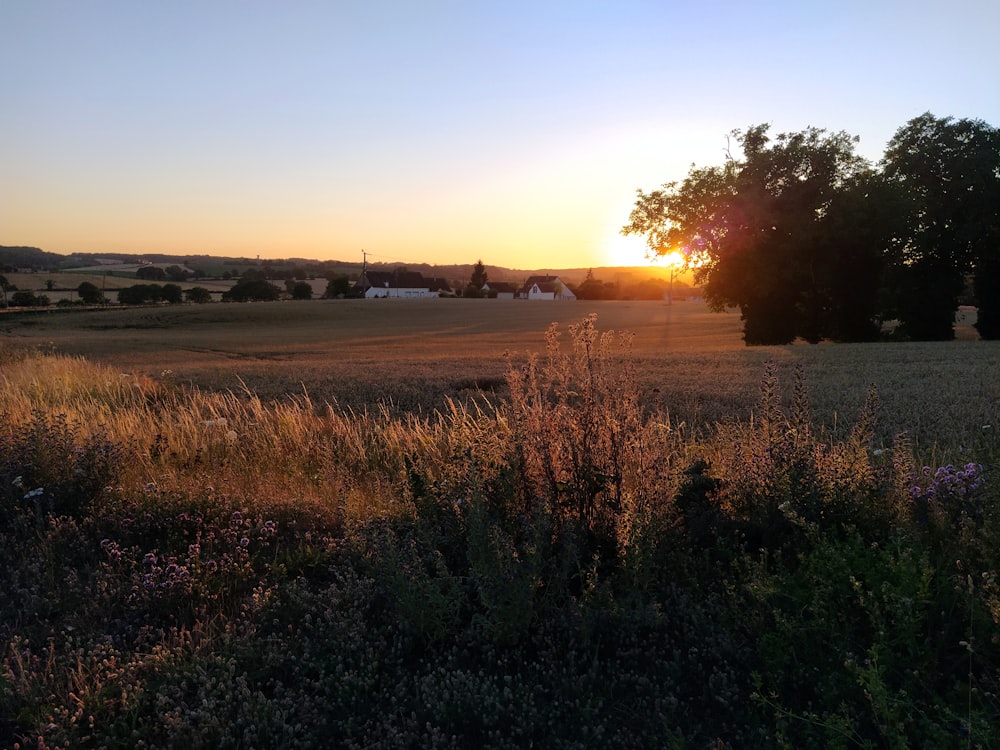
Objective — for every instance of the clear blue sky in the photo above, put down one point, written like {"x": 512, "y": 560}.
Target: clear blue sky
{"x": 438, "y": 131}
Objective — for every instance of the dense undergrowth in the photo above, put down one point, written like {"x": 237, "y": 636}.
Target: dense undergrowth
{"x": 565, "y": 570}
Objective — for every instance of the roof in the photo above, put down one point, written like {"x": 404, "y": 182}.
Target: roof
{"x": 501, "y": 286}
{"x": 532, "y": 280}
{"x": 394, "y": 280}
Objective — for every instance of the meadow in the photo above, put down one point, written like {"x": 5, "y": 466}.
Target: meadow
{"x": 478, "y": 523}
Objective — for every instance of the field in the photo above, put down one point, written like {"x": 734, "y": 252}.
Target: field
{"x": 444, "y": 524}
{"x": 416, "y": 354}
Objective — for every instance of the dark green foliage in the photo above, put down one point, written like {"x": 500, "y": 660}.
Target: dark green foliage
{"x": 27, "y": 299}
{"x": 90, "y": 294}
{"x": 811, "y": 242}
{"x": 474, "y": 289}
{"x": 175, "y": 273}
{"x": 950, "y": 172}
{"x": 141, "y": 294}
{"x": 301, "y": 290}
{"x": 252, "y": 290}
{"x": 198, "y": 295}
{"x": 338, "y": 287}
{"x": 987, "y": 289}
{"x": 49, "y": 467}
{"x": 151, "y": 273}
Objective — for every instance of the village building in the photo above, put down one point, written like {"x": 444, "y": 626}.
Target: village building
{"x": 545, "y": 288}
{"x": 499, "y": 290}
{"x": 400, "y": 284}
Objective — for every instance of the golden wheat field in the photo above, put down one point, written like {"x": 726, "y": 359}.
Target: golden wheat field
{"x": 414, "y": 355}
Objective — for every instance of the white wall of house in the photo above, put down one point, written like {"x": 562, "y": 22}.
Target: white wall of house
{"x": 536, "y": 293}
{"x": 401, "y": 293}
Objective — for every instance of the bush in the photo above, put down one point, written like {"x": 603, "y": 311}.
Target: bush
{"x": 199, "y": 295}
{"x": 48, "y": 466}
{"x": 250, "y": 290}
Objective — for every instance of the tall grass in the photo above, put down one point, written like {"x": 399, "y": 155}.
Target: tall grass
{"x": 568, "y": 566}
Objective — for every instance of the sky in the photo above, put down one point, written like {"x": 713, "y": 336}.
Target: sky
{"x": 438, "y": 131}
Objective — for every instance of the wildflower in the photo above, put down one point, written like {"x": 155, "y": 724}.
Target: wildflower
{"x": 149, "y": 558}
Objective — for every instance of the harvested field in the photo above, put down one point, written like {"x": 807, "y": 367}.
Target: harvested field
{"x": 416, "y": 354}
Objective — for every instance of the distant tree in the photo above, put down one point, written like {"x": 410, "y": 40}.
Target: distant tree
{"x": 950, "y": 172}
{"x": 4, "y": 286}
{"x": 140, "y": 294}
{"x": 474, "y": 288}
{"x": 302, "y": 290}
{"x": 90, "y": 294}
{"x": 252, "y": 290}
{"x": 758, "y": 225}
{"x": 198, "y": 294}
{"x": 50, "y": 284}
{"x": 593, "y": 288}
{"x": 172, "y": 293}
{"x": 647, "y": 289}
{"x": 175, "y": 273}
{"x": 28, "y": 299}
{"x": 254, "y": 274}
{"x": 151, "y": 273}
{"x": 338, "y": 287}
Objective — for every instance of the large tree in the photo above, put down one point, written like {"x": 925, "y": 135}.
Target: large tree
{"x": 769, "y": 232}
{"x": 950, "y": 172}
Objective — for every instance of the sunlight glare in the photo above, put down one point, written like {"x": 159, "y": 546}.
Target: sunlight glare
{"x": 622, "y": 251}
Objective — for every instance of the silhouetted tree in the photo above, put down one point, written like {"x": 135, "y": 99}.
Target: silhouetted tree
{"x": 302, "y": 290}
{"x": 252, "y": 290}
{"x": 140, "y": 294}
{"x": 172, "y": 293}
{"x": 151, "y": 273}
{"x": 90, "y": 293}
{"x": 28, "y": 299}
{"x": 476, "y": 283}
{"x": 950, "y": 172}
{"x": 760, "y": 225}
{"x": 198, "y": 294}
{"x": 337, "y": 286}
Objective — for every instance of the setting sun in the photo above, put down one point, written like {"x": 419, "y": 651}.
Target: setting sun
{"x": 626, "y": 251}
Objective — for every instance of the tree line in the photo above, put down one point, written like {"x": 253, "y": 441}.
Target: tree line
{"x": 810, "y": 240}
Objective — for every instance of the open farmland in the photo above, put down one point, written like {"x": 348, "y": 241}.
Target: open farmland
{"x": 416, "y": 354}
{"x": 685, "y": 543}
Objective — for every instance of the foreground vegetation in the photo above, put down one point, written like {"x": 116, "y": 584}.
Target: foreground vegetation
{"x": 567, "y": 566}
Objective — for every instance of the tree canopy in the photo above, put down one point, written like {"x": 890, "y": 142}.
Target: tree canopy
{"x": 808, "y": 239}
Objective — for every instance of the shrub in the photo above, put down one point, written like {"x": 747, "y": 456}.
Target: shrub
{"x": 48, "y": 467}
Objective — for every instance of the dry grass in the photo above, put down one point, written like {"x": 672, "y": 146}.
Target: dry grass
{"x": 210, "y": 568}
{"x": 413, "y": 356}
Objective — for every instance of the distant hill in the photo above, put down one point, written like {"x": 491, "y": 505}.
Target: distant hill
{"x": 13, "y": 258}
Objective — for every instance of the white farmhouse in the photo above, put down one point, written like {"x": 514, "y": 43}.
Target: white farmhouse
{"x": 400, "y": 284}
{"x": 545, "y": 287}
